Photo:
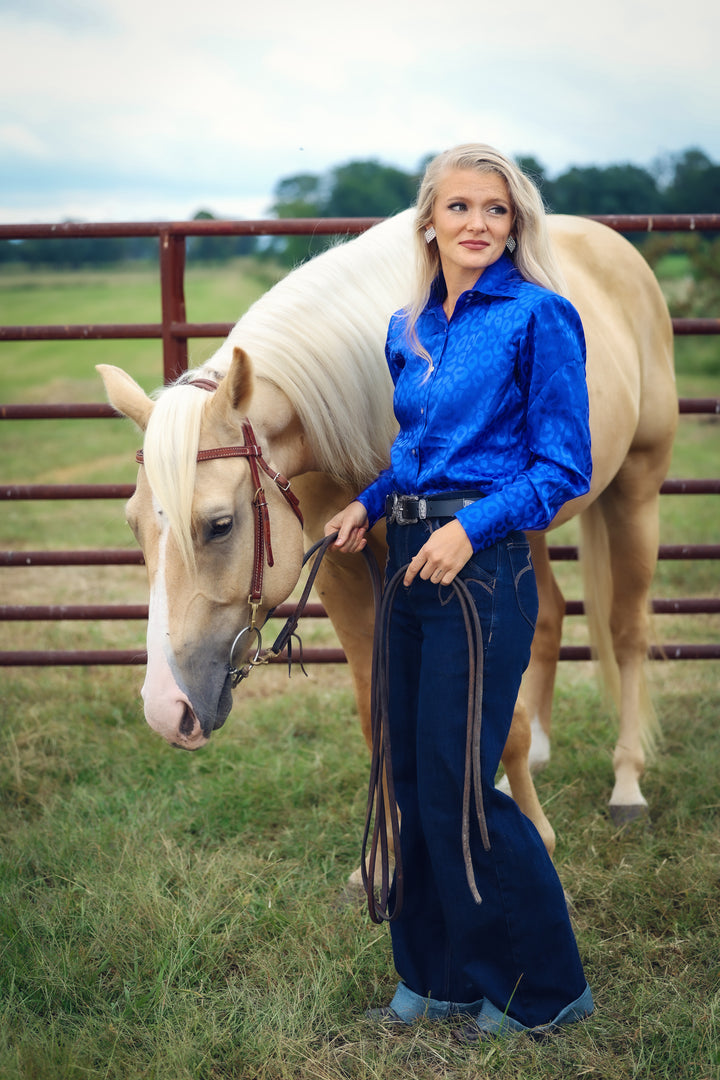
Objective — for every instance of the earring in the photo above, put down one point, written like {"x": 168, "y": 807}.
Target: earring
{"x": 510, "y": 244}
{"x": 430, "y": 234}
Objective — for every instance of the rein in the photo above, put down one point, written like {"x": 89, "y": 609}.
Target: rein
{"x": 382, "y": 805}
{"x": 288, "y": 631}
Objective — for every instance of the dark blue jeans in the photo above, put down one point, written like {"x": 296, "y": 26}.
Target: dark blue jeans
{"x": 516, "y": 948}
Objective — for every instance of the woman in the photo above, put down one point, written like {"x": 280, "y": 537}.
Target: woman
{"x": 488, "y": 363}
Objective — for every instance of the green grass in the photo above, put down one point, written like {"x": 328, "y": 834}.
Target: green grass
{"x": 170, "y": 916}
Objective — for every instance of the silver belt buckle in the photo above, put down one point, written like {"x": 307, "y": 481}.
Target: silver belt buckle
{"x": 398, "y": 514}
{"x": 401, "y": 505}
{"x": 399, "y": 510}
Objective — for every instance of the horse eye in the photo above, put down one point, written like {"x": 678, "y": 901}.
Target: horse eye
{"x": 220, "y": 527}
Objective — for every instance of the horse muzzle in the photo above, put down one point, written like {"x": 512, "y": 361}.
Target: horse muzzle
{"x": 185, "y": 715}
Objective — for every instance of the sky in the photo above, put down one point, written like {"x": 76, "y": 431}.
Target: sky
{"x": 116, "y": 110}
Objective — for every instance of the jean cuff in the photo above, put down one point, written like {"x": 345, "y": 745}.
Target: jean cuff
{"x": 411, "y": 1006}
{"x": 491, "y": 1021}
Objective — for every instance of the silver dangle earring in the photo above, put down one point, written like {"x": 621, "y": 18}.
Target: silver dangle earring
{"x": 430, "y": 234}
{"x": 510, "y": 244}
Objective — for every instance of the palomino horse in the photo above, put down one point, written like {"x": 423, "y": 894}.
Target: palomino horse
{"x": 306, "y": 365}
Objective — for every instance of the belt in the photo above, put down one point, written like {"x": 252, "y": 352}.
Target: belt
{"x": 409, "y": 509}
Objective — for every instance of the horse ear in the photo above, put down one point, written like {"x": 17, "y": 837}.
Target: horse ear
{"x": 240, "y": 380}
{"x": 125, "y": 395}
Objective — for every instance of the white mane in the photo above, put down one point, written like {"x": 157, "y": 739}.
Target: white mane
{"x": 319, "y": 336}
{"x": 170, "y": 458}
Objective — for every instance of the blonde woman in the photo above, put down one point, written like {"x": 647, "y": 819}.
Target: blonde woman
{"x": 488, "y": 362}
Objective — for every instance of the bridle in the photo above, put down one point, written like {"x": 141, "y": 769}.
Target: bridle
{"x": 263, "y": 553}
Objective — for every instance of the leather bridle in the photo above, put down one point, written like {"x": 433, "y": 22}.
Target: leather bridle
{"x": 263, "y": 553}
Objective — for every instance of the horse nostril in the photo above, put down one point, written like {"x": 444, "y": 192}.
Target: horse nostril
{"x": 187, "y": 724}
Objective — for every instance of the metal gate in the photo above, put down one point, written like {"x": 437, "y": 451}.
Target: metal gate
{"x": 174, "y": 330}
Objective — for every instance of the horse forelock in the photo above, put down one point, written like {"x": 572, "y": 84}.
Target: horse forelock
{"x": 319, "y": 335}
{"x": 170, "y": 458}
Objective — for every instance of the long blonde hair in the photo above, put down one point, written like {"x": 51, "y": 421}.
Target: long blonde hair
{"x": 533, "y": 255}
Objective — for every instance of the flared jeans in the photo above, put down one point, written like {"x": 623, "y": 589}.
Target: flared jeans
{"x": 516, "y": 948}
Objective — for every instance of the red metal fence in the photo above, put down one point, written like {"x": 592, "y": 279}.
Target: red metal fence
{"x": 175, "y": 331}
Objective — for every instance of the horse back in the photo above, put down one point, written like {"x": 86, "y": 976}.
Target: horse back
{"x": 630, "y": 371}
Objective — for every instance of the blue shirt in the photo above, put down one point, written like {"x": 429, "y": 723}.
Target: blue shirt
{"x": 504, "y": 409}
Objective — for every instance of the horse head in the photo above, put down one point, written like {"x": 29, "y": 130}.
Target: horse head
{"x": 220, "y": 532}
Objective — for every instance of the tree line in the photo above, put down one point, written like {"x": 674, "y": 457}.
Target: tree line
{"x": 685, "y": 182}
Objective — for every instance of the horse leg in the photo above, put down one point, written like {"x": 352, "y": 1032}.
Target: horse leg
{"x": 629, "y": 509}
{"x": 539, "y": 679}
{"x": 516, "y": 762}
{"x": 343, "y": 585}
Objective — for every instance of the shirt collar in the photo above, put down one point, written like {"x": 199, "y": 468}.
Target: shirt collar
{"x": 501, "y": 278}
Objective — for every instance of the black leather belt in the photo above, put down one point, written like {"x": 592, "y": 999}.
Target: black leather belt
{"x": 409, "y": 509}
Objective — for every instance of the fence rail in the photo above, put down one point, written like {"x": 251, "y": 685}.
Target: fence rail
{"x": 175, "y": 330}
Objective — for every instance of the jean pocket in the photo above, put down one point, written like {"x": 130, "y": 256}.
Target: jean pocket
{"x": 523, "y": 574}
{"x": 482, "y": 567}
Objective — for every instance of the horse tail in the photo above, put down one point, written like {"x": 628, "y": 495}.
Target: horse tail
{"x": 598, "y": 591}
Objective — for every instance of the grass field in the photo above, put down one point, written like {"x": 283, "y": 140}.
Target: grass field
{"x": 174, "y": 916}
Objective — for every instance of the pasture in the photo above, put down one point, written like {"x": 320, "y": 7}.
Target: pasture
{"x": 170, "y": 916}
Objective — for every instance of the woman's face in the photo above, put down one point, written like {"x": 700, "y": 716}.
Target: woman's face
{"x": 473, "y": 217}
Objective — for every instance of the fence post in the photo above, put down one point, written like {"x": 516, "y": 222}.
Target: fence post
{"x": 172, "y": 293}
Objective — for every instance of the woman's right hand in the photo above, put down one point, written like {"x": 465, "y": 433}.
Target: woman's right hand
{"x": 351, "y": 525}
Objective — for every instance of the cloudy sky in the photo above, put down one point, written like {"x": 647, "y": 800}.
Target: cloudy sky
{"x": 153, "y": 109}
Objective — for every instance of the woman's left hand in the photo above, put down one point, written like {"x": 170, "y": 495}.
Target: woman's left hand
{"x": 442, "y": 557}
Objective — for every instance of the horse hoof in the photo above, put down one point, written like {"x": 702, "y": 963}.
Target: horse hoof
{"x": 352, "y": 895}
{"x": 503, "y": 785}
{"x": 623, "y": 816}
